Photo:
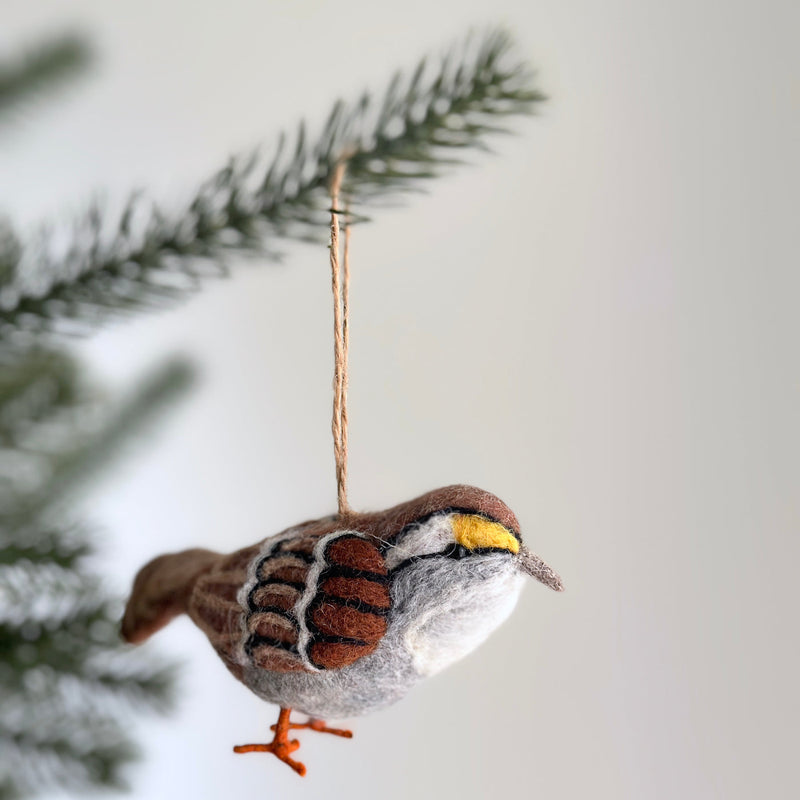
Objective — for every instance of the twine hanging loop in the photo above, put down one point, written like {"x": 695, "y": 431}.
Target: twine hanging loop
{"x": 340, "y": 284}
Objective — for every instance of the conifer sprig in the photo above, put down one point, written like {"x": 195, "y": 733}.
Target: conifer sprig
{"x": 67, "y": 683}
{"x": 148, "y": 257}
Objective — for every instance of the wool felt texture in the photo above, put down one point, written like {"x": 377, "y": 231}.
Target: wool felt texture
{"x": 474, "y": 532}
{"x": 281, "y": 747}
{"x": 343, "y": 615}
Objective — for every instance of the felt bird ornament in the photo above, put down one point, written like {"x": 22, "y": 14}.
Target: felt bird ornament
{"x": 343, "y": 615}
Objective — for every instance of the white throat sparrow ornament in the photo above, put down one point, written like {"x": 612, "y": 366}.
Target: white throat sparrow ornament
{"x": 343, "y": 615}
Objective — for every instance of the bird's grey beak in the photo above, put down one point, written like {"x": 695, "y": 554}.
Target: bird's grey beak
{"x": 532, "y": 565}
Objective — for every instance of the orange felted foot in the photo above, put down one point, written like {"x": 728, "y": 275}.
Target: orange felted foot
{"x": 280, "y": 746}
{"x": 319, "y": 726}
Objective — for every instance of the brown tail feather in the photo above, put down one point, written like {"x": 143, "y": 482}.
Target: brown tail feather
{"x": 161, "y": 591}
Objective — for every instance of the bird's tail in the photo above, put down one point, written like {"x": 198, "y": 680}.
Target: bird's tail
{"x": 161, "y": 591}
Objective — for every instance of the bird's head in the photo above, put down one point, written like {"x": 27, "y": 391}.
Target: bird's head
{"x": 458, "y": 564}
{"x": 469, "y": 533}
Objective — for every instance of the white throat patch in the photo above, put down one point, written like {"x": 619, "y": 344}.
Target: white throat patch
{"x": 462, "y": 619}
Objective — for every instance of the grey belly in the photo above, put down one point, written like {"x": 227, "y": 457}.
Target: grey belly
{"x": 373, "y": 682}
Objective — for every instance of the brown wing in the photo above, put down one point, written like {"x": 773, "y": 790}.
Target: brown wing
{"x": 318, "y": 601}
{"x": 289, "y": 605}
{"x": 346, "y": 617}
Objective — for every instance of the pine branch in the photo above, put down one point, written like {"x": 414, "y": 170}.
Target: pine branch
{"x": 42, "y": 68}
{"x": 148, "y": 258}
{"x": 66, "y": 678}
{"x": 32, "y": 386}
{"x": 158, "y": 390}
{"x": 55, "y": 466}
{"x": 82, "y": 659}
{"x": 61, "y": 545}
{"x": 121, "y": 677}
{"x": 67, "y": 683}
{"x": 29, "y": 764}
{"x": 10, "y": 252}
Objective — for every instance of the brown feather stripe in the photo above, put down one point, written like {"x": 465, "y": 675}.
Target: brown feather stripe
{"x": 335, "y": 655}
{"x": 358, "y": 590}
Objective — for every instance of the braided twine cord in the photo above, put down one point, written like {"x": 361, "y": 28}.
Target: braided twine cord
{"x": 340, "y": 284}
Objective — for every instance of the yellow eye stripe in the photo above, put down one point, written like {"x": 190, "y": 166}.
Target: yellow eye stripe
{"x": 474, "y": 532}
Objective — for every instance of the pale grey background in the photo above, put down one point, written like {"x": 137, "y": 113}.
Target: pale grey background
{"x": 599, "y": 325}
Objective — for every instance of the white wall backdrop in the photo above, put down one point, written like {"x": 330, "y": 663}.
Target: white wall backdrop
{"x": 599, "y": 324}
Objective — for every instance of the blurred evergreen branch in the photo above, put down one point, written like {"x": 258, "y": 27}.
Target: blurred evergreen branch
{"x": 147, "y": 258}
{"x": 64, "y": 463}
{"x": 67, "y": 683}
{"x": 42, "y": 68}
